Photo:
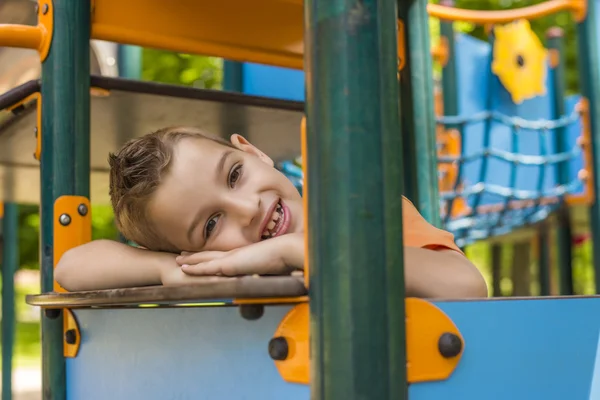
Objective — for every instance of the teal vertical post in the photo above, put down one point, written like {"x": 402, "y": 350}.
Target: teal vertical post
{"x": 563, "y": 234}
{"x": 450, "y": 89}
{"x": 233, "y": 76}
{"x": 130, "y": 61}
{"x": 589, "y": 83}
{"x": 65, "y": 162}
{"x": 354, "y": 206}
{"x": 10, "y": 263}
{"x": 418, "y": 117}
{"x": 130, "y": 67}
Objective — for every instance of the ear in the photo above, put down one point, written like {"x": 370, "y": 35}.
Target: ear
{"x": 244, "y": 145}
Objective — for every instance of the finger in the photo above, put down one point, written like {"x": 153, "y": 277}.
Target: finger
{"x": 196, "y": 258}
{"x": 234, "y": 264}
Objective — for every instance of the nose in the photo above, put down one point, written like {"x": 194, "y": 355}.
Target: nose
{"x": 245, "y": 207}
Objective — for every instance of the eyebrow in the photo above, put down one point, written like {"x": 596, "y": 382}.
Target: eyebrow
{"x": 198, "y": 216}
{"x": 221, "y": 163}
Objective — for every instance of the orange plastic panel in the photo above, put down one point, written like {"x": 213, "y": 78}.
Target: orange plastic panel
{"x": 71, "y": 334}
{"x": 72, "y": 226}
{"x": 425, "y": 324}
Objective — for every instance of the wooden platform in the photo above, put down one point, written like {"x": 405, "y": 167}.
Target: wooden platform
{"x": 228, "y": 290}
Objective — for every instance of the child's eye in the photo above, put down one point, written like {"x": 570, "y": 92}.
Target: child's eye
{"x": 210, "y": 225}
{"x": 235, "y": 175}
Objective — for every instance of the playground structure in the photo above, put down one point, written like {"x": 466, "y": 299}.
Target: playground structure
{"x": 105, "y": 343}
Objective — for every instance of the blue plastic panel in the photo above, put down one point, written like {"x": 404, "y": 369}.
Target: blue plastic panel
{"x": 182, "y": 353}
{"x": 522, "y": 350}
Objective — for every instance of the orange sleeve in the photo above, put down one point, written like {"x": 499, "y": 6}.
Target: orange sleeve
{"x": 417, "y": 232}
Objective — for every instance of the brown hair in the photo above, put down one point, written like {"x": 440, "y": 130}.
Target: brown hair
{"x": 135, "y": 173}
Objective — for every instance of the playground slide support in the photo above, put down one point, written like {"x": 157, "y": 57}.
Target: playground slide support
{"x": 10, "y": 263}
{"x": 449, "y": 87}
{"x": 589, "y": 75}
{"x": 555, "y": 43}
{"x": 357, "y": 318}
{"x": 418, "y": 117}
{"x": 65, "y": 160}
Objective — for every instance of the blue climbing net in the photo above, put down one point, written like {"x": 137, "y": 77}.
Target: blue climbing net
{"x": 496, "y": 196}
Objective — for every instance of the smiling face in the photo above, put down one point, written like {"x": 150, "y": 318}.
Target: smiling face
{"x": 214, "y": 197}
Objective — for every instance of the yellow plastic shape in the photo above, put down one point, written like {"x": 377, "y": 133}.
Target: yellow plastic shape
{"x": 72, "y": 226}
{"x": 71, "y": 334}
{"x": 425, "y": 324}
{"x": 36, "y": 37}
{"x": 577, "y": 7}
{"x": 519, "y": 60}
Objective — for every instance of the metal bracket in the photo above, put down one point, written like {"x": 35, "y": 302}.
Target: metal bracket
{"x": 37, "y": 97}
{"x": 72, "y": 226}
{"x": 434, "y": 344}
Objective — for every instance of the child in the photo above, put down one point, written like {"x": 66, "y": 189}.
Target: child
{"x": 206, "y": 207}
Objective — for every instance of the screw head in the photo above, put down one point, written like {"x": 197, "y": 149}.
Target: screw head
{"x": 52, "y": 313}
{"x": 82, "y": 209}
{"x": 64, "y": 219}
{"x": 71, "y": 336}
{"x": 252, "y": 312}
{"x": 45, "y": 9}
{"x": 278, "y": 348}
{"x": 449, "y": 345}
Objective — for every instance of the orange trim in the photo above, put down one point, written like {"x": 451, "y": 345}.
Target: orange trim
{"x": 401, "y": 46}
{"x": 425, "y": 324}
{"x": 440, "y": 53}
{"x": 1, "y": 210}
{"x": 578, "y": 8}
{"x": 72, "y": 226}
{"x": 273, "y": 300}
{"x": 70, "y": 332}
{"x": 586, "y": 174}
{"x": 31, "y": 37}
{"x": 304, "y": 154}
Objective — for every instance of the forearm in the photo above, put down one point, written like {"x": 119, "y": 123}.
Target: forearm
{"x": 441, "y": 274}
{"x": 105, "y": 264}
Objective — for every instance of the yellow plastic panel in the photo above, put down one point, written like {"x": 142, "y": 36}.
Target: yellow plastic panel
{"x": 426, "y": 325}
{"x": 72, "y": 226}
{"x": 260, "y": 31}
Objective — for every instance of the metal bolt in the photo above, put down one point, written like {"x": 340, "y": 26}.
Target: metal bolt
{"x": 252, "y": 312}
{"x": 64, "y": 219}
{"x": 45, "y": 9}
{"x": 71, "y": 336}
{"x": 449, "y": 345}
{"x": 278, "y": 348}
{"x": 52, "y": 313}
{"x": 82, "y": 209}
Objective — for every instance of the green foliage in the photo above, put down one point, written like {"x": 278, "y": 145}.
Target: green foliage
{"x": 182, "y": 69}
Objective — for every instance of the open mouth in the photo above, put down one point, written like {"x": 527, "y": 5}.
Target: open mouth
{"x": 278, "y": 223}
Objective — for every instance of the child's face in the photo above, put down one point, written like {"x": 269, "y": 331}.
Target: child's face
{"x": 218, "y": 198}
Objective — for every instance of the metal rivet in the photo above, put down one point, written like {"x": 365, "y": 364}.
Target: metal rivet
{"x": 278, "y": 348}
{"x": 252, "y": 312}
{"x": 64, "y": 219}
{"x": 45, "y": 9}
{"x": 82, "y": 209}
{"x": 52, "y": 313}
{"x": 449, "y": 345}
{"x": 71, "y": 336}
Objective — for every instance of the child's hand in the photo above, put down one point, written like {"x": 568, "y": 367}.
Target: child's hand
{"x": 277, "y": 256}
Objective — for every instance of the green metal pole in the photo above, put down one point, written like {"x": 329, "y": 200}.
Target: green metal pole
{"x": 589, "y": 75}
{"x": 564, "y": 236}
{"x": 130, "y": 61}
{"x": 418, "y": 117}
{"x": 354, "y": 205}
{"x": 10, "y": 263}
{"x": 233, "y": 76}
{"x": 65, "y": 162}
